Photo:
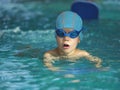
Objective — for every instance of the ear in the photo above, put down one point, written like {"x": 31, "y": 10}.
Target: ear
{"x": 79, "y": 40}
{"x": 55, "y": 36}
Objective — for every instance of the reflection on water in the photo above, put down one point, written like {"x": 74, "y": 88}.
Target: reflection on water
{"x": 28, "y": 29}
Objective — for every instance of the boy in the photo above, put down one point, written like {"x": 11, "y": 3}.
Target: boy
{"x": 68, "y": 28}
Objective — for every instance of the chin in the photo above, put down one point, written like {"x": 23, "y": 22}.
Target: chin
{"x": 66, "y": 51}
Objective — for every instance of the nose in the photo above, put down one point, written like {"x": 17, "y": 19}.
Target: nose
{"x": 66, "y": 38}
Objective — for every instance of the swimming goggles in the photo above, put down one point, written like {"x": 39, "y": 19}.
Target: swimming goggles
{"x": 72, "y": 34}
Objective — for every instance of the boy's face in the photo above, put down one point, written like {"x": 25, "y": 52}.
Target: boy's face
{"x": 67, "y": 44}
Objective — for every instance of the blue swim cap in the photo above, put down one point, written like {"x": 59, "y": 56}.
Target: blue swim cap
{"x": 69, "y": 19}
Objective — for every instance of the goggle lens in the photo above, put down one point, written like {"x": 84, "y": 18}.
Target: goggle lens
{"x": 72, "y": 34}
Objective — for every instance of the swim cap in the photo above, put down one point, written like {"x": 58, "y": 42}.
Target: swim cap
{"x": 69, "y": 19}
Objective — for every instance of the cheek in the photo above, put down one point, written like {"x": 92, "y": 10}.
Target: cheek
{"x": 76, "y": 41}
{"x": 59, "y": 40}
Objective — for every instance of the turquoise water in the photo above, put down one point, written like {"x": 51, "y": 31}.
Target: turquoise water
{"x": 28, "y": 29}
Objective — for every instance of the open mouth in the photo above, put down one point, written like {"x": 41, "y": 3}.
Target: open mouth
{"x": 66, "y": 46}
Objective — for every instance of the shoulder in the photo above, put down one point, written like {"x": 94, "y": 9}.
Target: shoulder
{"x": 49, "y": 56}
{"x": 50, "y": 53}
{"x": 83, "y": 53}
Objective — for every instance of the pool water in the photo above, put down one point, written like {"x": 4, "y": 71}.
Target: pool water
{"x": 27, "y": 31}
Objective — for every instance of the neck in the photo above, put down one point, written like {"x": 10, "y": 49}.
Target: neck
{"x": 62, "y": 53}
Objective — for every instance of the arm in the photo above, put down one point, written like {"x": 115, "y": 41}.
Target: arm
{"x": 95, "y": 59}
{"x": 48, "y": 60}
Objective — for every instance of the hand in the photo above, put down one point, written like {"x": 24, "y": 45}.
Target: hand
{"x": 98, "y": 65}
{"x": 99, "y": 61}
{"x": 54, "y": 68}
